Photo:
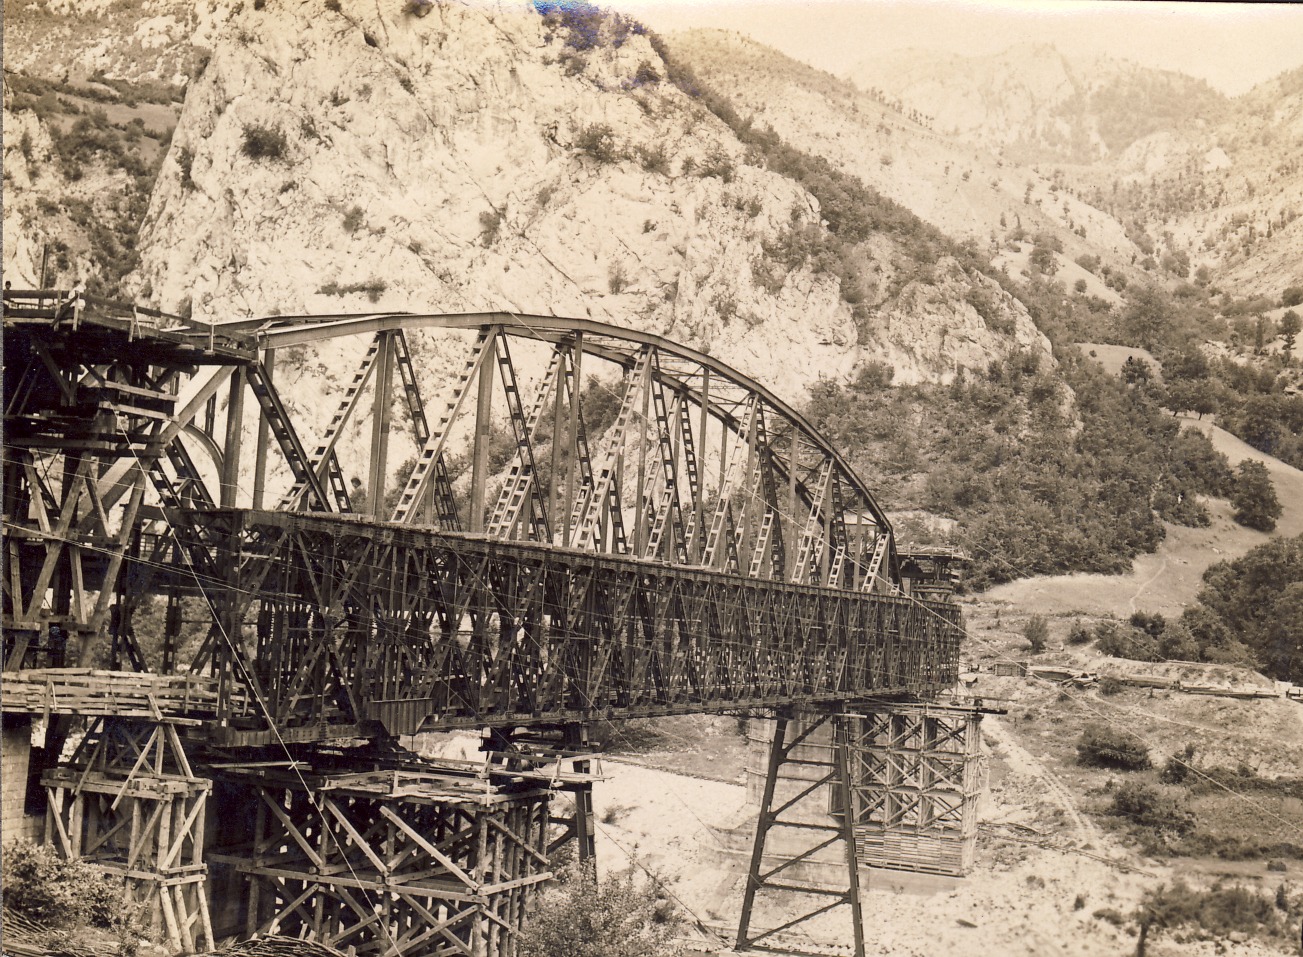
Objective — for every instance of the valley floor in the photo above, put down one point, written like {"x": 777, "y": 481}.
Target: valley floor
{"x": 1045, "y": 870}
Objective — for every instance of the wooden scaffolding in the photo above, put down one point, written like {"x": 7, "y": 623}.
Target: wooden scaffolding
{"x": 130, "y": 803}
{"x": 389, "y": 862}
{"x": 916, "y": 774}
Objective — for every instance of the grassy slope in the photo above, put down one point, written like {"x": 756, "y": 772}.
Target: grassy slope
{"x": 1167, "y": 580}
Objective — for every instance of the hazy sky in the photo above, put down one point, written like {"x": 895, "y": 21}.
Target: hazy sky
{"x": 1231, "y": 45}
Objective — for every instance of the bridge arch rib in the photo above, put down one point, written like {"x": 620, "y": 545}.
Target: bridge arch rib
{"x": 777, "y": 500}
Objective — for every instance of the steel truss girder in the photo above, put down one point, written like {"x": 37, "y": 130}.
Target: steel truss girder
{"x": 409, "y": 629}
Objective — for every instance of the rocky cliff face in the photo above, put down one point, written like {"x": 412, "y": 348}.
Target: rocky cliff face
{"x": 484, "y": 158}
{"x": 1181, "y": 170}
{"x": 1034, "y": 104}
{"x": 134, "y": 40}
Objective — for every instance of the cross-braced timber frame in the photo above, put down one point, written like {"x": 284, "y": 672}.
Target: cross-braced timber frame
{"x": 916, "y": 774}
{"x": 388, "y": 863}
{"x": 130, "y": 803}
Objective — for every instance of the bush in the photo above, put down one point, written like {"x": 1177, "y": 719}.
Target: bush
{"x": 598, "y": 141}
{"x": 373, "y": 288}
{"x": 718, "y": 164}
{"x": 1221, "y": 910}
{"x": 1110, "y": 686}
{"x": 353, "y": 219}
{"x": 1106, "y": 747}
{"x": 582, "y": 916}
{"x": 1254, "y": 497}
{"x": 1079, "y": 634}
{"x": 263, "y": 142}
{"x": 1037, "y": 633}
{"x": 185, "y": 159}
{"x": 646, "y": 74}
{"x": 1177, "y": 767}
{"x": 1149, "y": 806}
{"x": 1293, "y": 296}
{"x": 490, "y": 223}
{"x": 41, "y": 885}
{"x": 1122, "y": 641}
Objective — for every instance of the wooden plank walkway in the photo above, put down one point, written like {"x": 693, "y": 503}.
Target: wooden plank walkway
{"x": 176, "y": 699}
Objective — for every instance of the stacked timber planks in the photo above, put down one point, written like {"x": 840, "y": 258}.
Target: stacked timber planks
{"x": 179, "y": 699}
{"x": 928, "y": 852}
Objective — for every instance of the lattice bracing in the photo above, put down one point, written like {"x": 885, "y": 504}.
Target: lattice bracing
{"x": 415, "y": 630}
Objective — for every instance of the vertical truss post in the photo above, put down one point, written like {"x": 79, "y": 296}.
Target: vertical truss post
{"x": 572, "y": 480}
{"x": 728, "y": 477}
{"x": 521, "y": 493}
{"x": 602, "y": 498}
{"x": 697, "y": 535}
{"x": 380, "y": 416}
{"x": 230, "y": 479}
{"x": 429, "y": 461}
{"x": 640, "y": 506}
{"x": 480, "y": 450}
{"x": 264, "y": 434}
{"x": 789, "y": 566}
{"x": 813, "y": 765}
{"x": 558, "y": 518}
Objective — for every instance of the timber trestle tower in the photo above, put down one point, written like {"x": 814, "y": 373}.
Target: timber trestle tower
{"x": 511, "y": 524}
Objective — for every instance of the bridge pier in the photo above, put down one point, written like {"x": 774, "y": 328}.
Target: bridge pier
{"x": 130, "y": 803}
{"x": 910, "y": 773}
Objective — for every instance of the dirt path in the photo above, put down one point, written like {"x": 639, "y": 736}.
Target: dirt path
{"x": 1023, "y": 763}
{"x": 1162, "y": 570}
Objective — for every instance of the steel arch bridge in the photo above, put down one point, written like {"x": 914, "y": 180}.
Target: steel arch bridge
{"x": 665, "y": 535}
{"x": 594, "y": 523}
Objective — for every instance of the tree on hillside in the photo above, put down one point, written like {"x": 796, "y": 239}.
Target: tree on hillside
{"x": 1136, "y": 370}
{"x": 1256, "y": 599}
{"x": 1148, "y": 317}
{"x": 1199, "y": 396}
{"x": 1293, "y": 296}
{"x": 1254, "y": 497}
{"x": 1037, "y": 633}
{"x": 1284, "y": 646}
{"x": 1290, "y": 326}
